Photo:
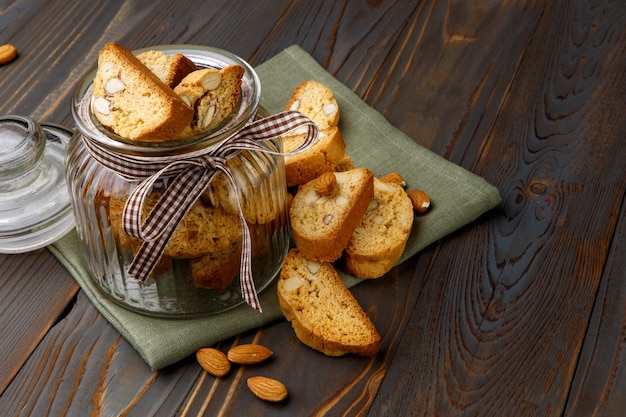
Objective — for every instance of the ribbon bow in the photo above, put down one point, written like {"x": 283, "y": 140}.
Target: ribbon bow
{"x": 191, "y": 174}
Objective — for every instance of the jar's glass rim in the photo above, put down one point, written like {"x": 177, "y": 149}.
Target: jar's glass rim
{"x": 203, "y": 56}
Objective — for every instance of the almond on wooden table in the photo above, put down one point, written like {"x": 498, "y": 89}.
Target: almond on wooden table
{"x": 248, "y": 354}
{"x": 267, "y": 389}
{"x": 8, "y": 53}
{"x": 213, "y": 361}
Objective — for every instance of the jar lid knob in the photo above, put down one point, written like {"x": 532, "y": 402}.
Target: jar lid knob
{"x": 22, "y": 143}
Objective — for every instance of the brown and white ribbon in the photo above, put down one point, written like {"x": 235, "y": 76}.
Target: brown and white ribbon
{"x": 189, "y": 176}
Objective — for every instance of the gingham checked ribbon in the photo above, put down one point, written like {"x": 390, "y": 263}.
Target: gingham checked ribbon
{"x": 190, "y": 175}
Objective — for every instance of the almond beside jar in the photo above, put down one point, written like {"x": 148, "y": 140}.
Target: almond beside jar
{"x": 198, "y": 272}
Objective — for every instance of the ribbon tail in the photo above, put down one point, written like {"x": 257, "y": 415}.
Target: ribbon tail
{"x": 147, "y": 257}
{"x": 189, "y": 184}
{"x": 246, "y": 280}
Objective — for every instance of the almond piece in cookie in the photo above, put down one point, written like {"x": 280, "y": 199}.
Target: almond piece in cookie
{"x": 213, "y": 94}
{"x": 325, "y": 183}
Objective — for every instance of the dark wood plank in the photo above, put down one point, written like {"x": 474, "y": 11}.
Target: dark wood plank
{"x": 451, "y": 67}
{"x": 84, "y": 367}
{"x": 598, "y": 383}
{"x": 501, "y": 324}
{"x": 349, "y": 383}
{"x": 35, "y": 290}
{"x": 59, "y": 43}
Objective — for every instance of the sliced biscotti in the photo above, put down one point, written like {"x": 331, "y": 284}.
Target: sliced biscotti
{"x": 317, "y": 102}
{"x": 124, "y": 89}
{"x": 213, "y": 94}
{"x": 322, "y": 156}
{"x": 323, "y": 312}
{"x": 201, "y": 231}
{"x": 379, "y": 240}
{"x": 217, "y": 269}
{"x": 170, "y": 69}
{"x": 325, "y": 212}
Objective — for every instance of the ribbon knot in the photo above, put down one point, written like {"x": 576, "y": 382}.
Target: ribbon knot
{"x": 188, "y": 176}
{"x": 211, "y": 163}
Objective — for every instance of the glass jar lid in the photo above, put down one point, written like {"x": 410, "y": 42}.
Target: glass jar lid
{"x": 35, "y": 208}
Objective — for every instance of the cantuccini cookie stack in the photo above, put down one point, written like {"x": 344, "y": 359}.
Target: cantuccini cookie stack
{"x": 154, "y": 97}
{"x": 341, "y": 216}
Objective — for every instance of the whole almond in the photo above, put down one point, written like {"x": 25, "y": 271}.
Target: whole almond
{"x": 267, "y": 389}
{"x": 394, "y": 178}
{"x": 248, "y": 354}
{"x": 213, "y": 361}
{"x": 325, "y": 183}
{"x": 419, "y": 200}
{"x": 8, "y": 53}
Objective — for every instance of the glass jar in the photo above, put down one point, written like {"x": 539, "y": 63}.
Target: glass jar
{"x": 199, "y": 270}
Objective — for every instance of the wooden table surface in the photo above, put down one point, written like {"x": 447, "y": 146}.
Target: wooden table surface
{"x": 520, "y": 313}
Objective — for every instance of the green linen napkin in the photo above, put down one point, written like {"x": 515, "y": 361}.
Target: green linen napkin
{"x": 458, "y": 198}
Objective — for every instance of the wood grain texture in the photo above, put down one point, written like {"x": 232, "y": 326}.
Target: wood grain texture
{"x": 598, "y": 384}
{"x": 35, "y": 290}
{"x": 526, "y": 301}
{"x": 83, "y": 367}
{"x": 520, "y": 313}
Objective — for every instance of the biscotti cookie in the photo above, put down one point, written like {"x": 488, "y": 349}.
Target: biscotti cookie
{"x": 317, "y": 102}
{"x": 323, "y": 220}
{"x": 213, "y": 94}
{"x": 202, "y": 230}
{"x": 257, "y": 205}
{"x": 115, "y": 207}
{"x": 379, "y": 240}
{"x": 170, "y": 69}
{"x": 124, "y": 90}
{"x": 323, "y": 312}
{"x": 218, "y": 269}
{"x": 322, "y": 156}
